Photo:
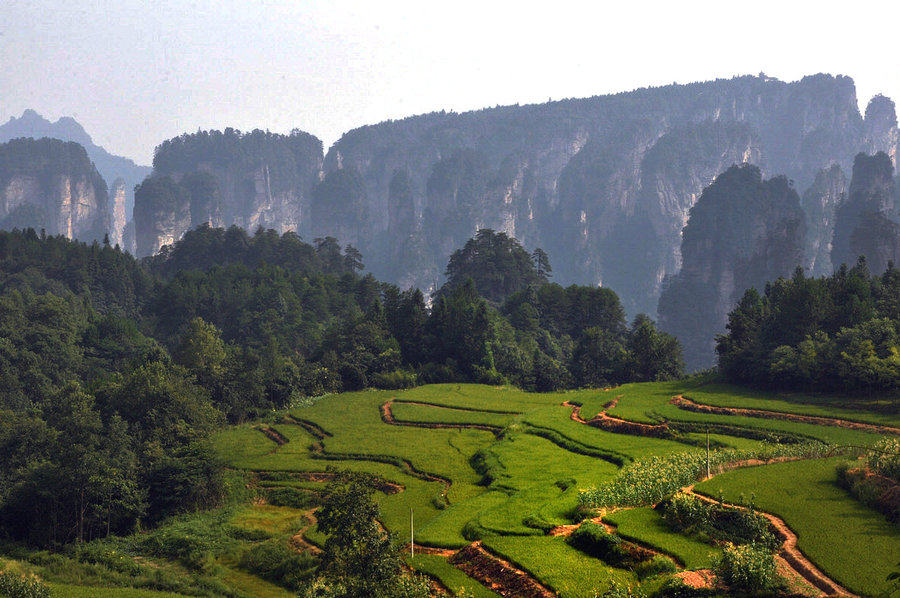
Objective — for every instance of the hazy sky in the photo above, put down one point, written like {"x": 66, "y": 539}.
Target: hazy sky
{"x": 137, "y": 72}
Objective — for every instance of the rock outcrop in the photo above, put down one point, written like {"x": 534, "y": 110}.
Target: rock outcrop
{"x": 866, "y": 222}
{"x": 253, "y": 180}
{"x": 51, "y": 185}
{"x": 111, "y": 167}
{"x": 743, "y": 232}
{"x": 604, "y": 185}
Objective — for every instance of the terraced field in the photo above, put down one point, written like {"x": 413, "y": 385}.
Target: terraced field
{"x": 496, "y": 477}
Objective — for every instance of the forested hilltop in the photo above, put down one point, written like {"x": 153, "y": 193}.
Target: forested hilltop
{"x": 114, "y": 372}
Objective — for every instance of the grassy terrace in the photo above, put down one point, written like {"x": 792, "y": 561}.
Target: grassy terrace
{"x": 854, "y": 544}
{"x": 509, "y": 489}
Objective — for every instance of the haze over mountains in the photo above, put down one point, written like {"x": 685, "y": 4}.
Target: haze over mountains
{"x": 604, "y": 185}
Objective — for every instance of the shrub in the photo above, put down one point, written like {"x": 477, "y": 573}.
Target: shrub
{"x": 749, "y": 568}
{"x": 396, "y": 380}
{"x": 688, "y": 514}
{"x": 656, "y": 566}
{"x": 22, "y": 586}
{"x": 594, "y": 540}
{"x": 279, "y": 564}
{"x": 884, "y": 458}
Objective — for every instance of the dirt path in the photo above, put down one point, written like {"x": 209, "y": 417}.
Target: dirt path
{"x": 689, "y": 405}
{"x": 607, "y": 422}
{"x": 298, "y": 541}
{"x": 789, "y": 551}
{"x": 273, "y": 435}
{"x": 387, "y": 417}
{"x": 498, "y": 575}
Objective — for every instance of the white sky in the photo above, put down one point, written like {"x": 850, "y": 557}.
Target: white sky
{"x": 135, "y": 73}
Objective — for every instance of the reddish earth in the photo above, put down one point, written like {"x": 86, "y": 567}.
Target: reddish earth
{"x": 496, "y": 574}
{"x": 298, "y": 541}
{"x": 702, "y": 578}
{"x": 689, "y": 405}
{"x": 273, "y": 435}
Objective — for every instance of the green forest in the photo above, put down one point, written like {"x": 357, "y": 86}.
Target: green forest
{"x": 115, "y": 372}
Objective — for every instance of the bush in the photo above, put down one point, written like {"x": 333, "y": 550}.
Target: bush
{"x": 884, "y": 458}
{"x": 690, "y": 515}
{"x": 594, "y": 540}
{"x": 396, "y": 380}
{"x": 22, "y": 586}
{"x": 749, "y": 568}
{"x": 279, "y": 564}
{"x": 656, "y": 566}
{"x": 675, "y": 588}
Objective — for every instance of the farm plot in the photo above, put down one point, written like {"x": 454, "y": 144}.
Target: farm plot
{"x": 505, "y": 467}
{"x": 852, "y": 543}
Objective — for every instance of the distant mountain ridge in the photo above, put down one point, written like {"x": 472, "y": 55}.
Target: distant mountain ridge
{"x": 121, "y": 174}
{"x": 604, "y": 184}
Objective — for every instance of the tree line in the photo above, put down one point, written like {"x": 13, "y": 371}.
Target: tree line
{"x": 114, "y": 372}
{"x": 833, "y": 333}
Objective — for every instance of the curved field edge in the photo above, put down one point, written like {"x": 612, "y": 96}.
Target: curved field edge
{"x": 835, "y": 532}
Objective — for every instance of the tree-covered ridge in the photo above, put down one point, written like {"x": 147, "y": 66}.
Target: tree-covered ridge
{"x": 233, "y": 149}
{"x": 834, "y": 333}
{"x": 114, "y": 372}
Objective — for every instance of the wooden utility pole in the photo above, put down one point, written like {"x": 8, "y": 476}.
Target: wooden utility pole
{"x": 412, "y": 540}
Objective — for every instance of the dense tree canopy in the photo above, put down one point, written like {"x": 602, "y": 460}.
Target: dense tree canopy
{"x": 114, "y": 373}
{"x": 832, "y": 333}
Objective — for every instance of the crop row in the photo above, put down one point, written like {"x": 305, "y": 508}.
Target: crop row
{"x": 650, "y": 480}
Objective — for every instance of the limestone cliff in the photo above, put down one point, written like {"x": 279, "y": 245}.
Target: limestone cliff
{"x": 743, "y": 232}
{"x": 111, "y": 167}
{"x": 52, "y": 185}
{"x": 253, "y": 180}
{"x": 119, "y": 215}
{"x": 603, "y": 184}
{"x": 866, "y": 222}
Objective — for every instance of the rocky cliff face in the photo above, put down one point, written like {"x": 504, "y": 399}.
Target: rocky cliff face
{"x": 819, "y": 204}
{"x": 253, "y": 180}
{"x": 743, "y": 232}
{"x": 111, "y": 167}
{"x": 119, "y": 215}
{"x": 603, "y": 184}
{"x": 866, "y": 222}
{"x": 52, "y": 185}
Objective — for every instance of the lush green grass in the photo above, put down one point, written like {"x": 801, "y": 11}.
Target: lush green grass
{"x": 450, "y": 577}
{"x": 567, "y": 571}
{"x": 649, "y": 402}
{"x": 646, "y": 526}
{"x": 849, "y": 408}
{"x": 73, "y": 591}
{"x": 535, "y": 468}
{"x": 850, "y": 542}
{"x": 445, "y": 530}
{"x": 411, "y": 412}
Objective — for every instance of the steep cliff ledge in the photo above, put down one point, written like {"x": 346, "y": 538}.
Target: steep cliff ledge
{"x": 52, "y": 185}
